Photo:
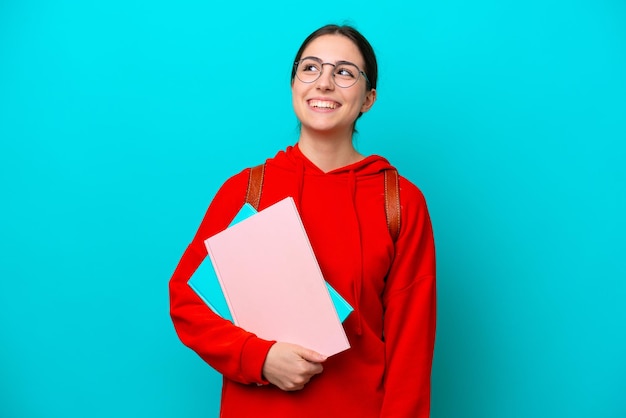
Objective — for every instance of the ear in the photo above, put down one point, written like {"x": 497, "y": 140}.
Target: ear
{"x": 370, "y": 98}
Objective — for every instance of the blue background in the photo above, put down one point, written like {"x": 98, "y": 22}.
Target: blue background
{"x": 120, "y": 119}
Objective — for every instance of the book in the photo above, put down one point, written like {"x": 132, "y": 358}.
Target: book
{"x": 272, "y": 283}
{"x": 206, "y": 285}
{"x": 204, "y": 281}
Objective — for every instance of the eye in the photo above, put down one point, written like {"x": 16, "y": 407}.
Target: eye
{"x": 309, "y": 66}
{"x": 346, "y": 71}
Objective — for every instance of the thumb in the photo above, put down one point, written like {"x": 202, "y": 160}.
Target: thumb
{"x": 310, "y": 355}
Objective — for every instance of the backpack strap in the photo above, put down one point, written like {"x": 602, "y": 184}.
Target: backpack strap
{"x": 392, "y": 196}
{"x": 255, "y": 185}
{"x": 392, "y": 202}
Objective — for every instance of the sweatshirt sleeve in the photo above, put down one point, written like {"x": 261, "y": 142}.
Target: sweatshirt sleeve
{"x": 237, "y": 354}
{"x": 410, "y": 309}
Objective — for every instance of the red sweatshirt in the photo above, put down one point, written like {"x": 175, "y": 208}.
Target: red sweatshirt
{"x": 386, "y": 372}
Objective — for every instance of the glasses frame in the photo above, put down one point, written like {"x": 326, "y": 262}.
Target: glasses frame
{"x": 322, "y": 64}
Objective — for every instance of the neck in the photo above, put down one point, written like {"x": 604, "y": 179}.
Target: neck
{"x": 328, "y": 153}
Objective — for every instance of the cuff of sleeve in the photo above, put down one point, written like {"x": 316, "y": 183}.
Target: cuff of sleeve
{"x": 252, "y": 359}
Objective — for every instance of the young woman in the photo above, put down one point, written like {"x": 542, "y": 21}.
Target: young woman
{"x": 340, "y": 195}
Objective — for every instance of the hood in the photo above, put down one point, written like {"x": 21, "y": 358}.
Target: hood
{"x": 292, "y": 158}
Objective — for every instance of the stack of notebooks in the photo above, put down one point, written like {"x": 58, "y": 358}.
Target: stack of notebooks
{"x": 263, "y": 276}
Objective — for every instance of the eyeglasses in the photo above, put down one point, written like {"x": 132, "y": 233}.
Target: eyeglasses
{"x": 345, "y": 74}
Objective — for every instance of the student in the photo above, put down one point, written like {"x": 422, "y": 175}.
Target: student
{"x": 340, "y": 195}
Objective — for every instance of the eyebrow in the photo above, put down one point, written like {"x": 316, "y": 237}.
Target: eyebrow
{"x": 335, "y": 63}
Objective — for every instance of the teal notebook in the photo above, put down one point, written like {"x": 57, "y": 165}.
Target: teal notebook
{"x": 205, "y": 283}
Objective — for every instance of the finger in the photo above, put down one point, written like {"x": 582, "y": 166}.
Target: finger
{"x": 310, "y": 355}
{"x": 318, "y": 369}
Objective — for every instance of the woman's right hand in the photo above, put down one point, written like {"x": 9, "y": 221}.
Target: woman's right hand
{"x": 290, "y": 366}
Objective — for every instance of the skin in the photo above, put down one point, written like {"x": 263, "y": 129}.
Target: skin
{"x": 326, "y": 140}
{"x": 291, "y": 366}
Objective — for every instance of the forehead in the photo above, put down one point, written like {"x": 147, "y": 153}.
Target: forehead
{"x": 332, "y": 48}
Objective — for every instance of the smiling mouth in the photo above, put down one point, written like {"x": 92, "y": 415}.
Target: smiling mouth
{"x": 323, "y": 104}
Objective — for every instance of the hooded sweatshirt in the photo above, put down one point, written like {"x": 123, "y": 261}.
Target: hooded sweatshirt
{"x": 391, "y": 286}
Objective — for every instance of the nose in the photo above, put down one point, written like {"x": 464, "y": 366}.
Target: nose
{"x": 325, "y": 82}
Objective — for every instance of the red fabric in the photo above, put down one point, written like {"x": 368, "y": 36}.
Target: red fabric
{"x": 386, "y": 372}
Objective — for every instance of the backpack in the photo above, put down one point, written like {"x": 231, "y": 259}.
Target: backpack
{"x": 392, "y": 196}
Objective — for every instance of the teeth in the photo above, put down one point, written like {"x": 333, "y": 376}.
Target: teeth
{"x": 323, "y": 104}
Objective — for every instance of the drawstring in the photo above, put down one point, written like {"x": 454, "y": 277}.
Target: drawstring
{"x": 299, "y": 185}
{"x": 359, "y": 278}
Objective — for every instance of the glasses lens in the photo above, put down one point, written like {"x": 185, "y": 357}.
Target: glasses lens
{"x": 309, "y": 70}
{"x": 346, "y": 74}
